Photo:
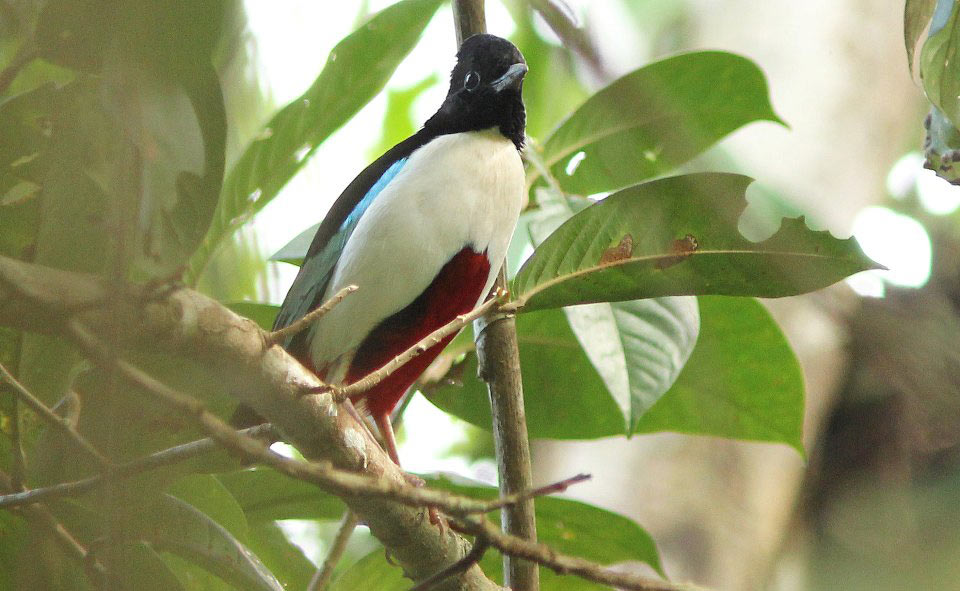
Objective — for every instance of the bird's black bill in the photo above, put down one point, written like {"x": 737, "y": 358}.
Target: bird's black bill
{"x": 510, "y": 78}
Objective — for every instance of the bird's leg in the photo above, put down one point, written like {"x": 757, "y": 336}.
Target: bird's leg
{"x": 386, "y": 431}
{"x": 390, "y": 441}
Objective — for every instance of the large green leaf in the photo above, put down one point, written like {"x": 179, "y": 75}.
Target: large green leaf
{"x": 356, "y": 70}
{"x": 742, "y": 381}
{"x": 651, "y": 120}
{"x": 285, "y": 560}
{"x": 638, "y": 347}
{"x": 678, "y": 236}
{"x": 208, "y": 495}
{"x": 174, "y": 526}
{"x": 267, "y": 495}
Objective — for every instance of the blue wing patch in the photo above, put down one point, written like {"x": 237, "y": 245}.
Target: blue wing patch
{"x": 316, "y": 271}
{"x": 351, "y": 222}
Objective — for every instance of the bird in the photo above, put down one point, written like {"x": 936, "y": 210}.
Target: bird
{"x": 422, "y": 232}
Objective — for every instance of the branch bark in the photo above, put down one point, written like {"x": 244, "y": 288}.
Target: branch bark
{"x": 499, "y": 366}
{"x": 235, "y": 351}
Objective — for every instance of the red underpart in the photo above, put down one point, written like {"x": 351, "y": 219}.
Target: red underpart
{"x": 454, "y": 291}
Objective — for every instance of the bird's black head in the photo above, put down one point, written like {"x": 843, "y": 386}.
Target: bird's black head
{"x": 485, "y": 90}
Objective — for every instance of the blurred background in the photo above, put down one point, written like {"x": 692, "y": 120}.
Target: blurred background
{"x": 873, "y": 505}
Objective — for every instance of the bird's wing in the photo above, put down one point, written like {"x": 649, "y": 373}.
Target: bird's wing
{"x": 307, "y": 291}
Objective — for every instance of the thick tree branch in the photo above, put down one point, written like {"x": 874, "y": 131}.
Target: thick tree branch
{"x": 236, "y": 353}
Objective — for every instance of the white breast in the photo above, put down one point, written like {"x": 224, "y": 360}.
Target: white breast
{"x": 458, "y": 190}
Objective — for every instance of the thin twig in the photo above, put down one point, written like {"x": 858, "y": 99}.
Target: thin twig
{"x": 160, "y": 459}
{"x": 556, "y": 487}
{"x": 562, "y": 563}
{"x": 53, "y": 418}
{"x": 321, "y": 579}
{"x": 472, "y": 557}
{"x": 18, "y": 463}
{"x": 42, "y": 516}
{"x": 280, "y": 335}
{"x": 558, "y": 17}
{"x": 341, "y": 393}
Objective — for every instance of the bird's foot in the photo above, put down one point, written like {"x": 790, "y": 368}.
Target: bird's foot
{"x": 436, "y": 518}
{"x": 414, "y": 480}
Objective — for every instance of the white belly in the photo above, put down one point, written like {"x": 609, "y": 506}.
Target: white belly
{"x": 459, "y": 190}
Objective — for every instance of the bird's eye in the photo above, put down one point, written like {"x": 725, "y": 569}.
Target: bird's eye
{"x": 472, "y": 81}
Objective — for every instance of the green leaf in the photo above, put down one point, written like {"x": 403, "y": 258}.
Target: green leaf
{"x": 916, "y": 16}
{"x": 938, "y": 61}
{"x": 285, "y": 560}
{"x": 638, "y": 347}
{"x": 296, "y": 250}
{"x": 372, "y": 573}
{"x": 743, "y": 380}
{"x": 140, "y": 567}
{"x": 678, "y": 236}
{"x": 208, "y": 495}
{"x": 654, "y": 119}
{"x": 266, "y": 495}
{"x": 262, "y": 314}
{"x": 563, "y": 394}
{"x": 175, "y": 526}
{"x": 356, "y": 70}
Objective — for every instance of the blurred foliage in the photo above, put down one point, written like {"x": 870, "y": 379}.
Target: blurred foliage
{"x": 940, "y": 76}
{"x": 136, "y": 145}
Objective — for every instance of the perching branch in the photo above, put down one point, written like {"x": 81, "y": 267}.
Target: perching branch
{"x": 44, "y": 518}
{"x": 278, "y": 336}
{"x": 154, "y": 461}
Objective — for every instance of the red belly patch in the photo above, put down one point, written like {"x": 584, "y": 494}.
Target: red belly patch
{"x": 455, "y": 290}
